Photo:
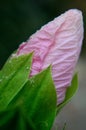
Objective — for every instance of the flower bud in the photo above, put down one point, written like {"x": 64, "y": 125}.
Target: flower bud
{"x": 57, "y": 43}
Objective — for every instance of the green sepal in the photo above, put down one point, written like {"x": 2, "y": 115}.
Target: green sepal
{"x": 13, "y": 77}
{"x": 37, "y": 100}
{"x": 71, "y": 90}
{"x": 13, "y": 119}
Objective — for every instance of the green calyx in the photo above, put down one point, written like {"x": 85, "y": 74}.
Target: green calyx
{"x": 28, "y": 103}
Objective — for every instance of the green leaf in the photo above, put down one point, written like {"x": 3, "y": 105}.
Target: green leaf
{"x": 13, "y": 119}
{"x": 13, "y": 77}
{"x": 5, "y": 117}
{"x": 37, "y": 100}
{"x": 24, "y": 123}
{"x": 70, "y": 92}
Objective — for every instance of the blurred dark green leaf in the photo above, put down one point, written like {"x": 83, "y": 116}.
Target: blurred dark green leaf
{"x": 13, "y": 119}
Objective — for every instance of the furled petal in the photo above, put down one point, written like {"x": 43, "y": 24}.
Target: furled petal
{"x": 57, "y": 43}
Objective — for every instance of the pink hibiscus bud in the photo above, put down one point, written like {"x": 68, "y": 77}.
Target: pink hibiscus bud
{"x": 58, "y": 43}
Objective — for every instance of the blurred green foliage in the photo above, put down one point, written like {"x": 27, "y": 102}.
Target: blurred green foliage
{"x": 20, "y": 18}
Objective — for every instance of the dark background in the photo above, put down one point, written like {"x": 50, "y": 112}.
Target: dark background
{"x": 18, "y": 20}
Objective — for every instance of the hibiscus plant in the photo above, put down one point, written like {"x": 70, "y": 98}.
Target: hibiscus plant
{"x": 39, "y": 78}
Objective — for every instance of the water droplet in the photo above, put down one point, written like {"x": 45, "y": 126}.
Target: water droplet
{"x": 44, "y": 124}
{"x": 32, "y": 82}
{"x": 6, "y": 77}
{"x": 13, "y": 55}
{"x": 0, "y": 80}
{"x": 10, "y": 61}
{"x": 27, "y": 68}
{"x": 3, "y": 77}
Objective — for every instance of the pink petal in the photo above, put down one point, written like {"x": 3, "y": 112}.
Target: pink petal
{"x": 57, "y": 43}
